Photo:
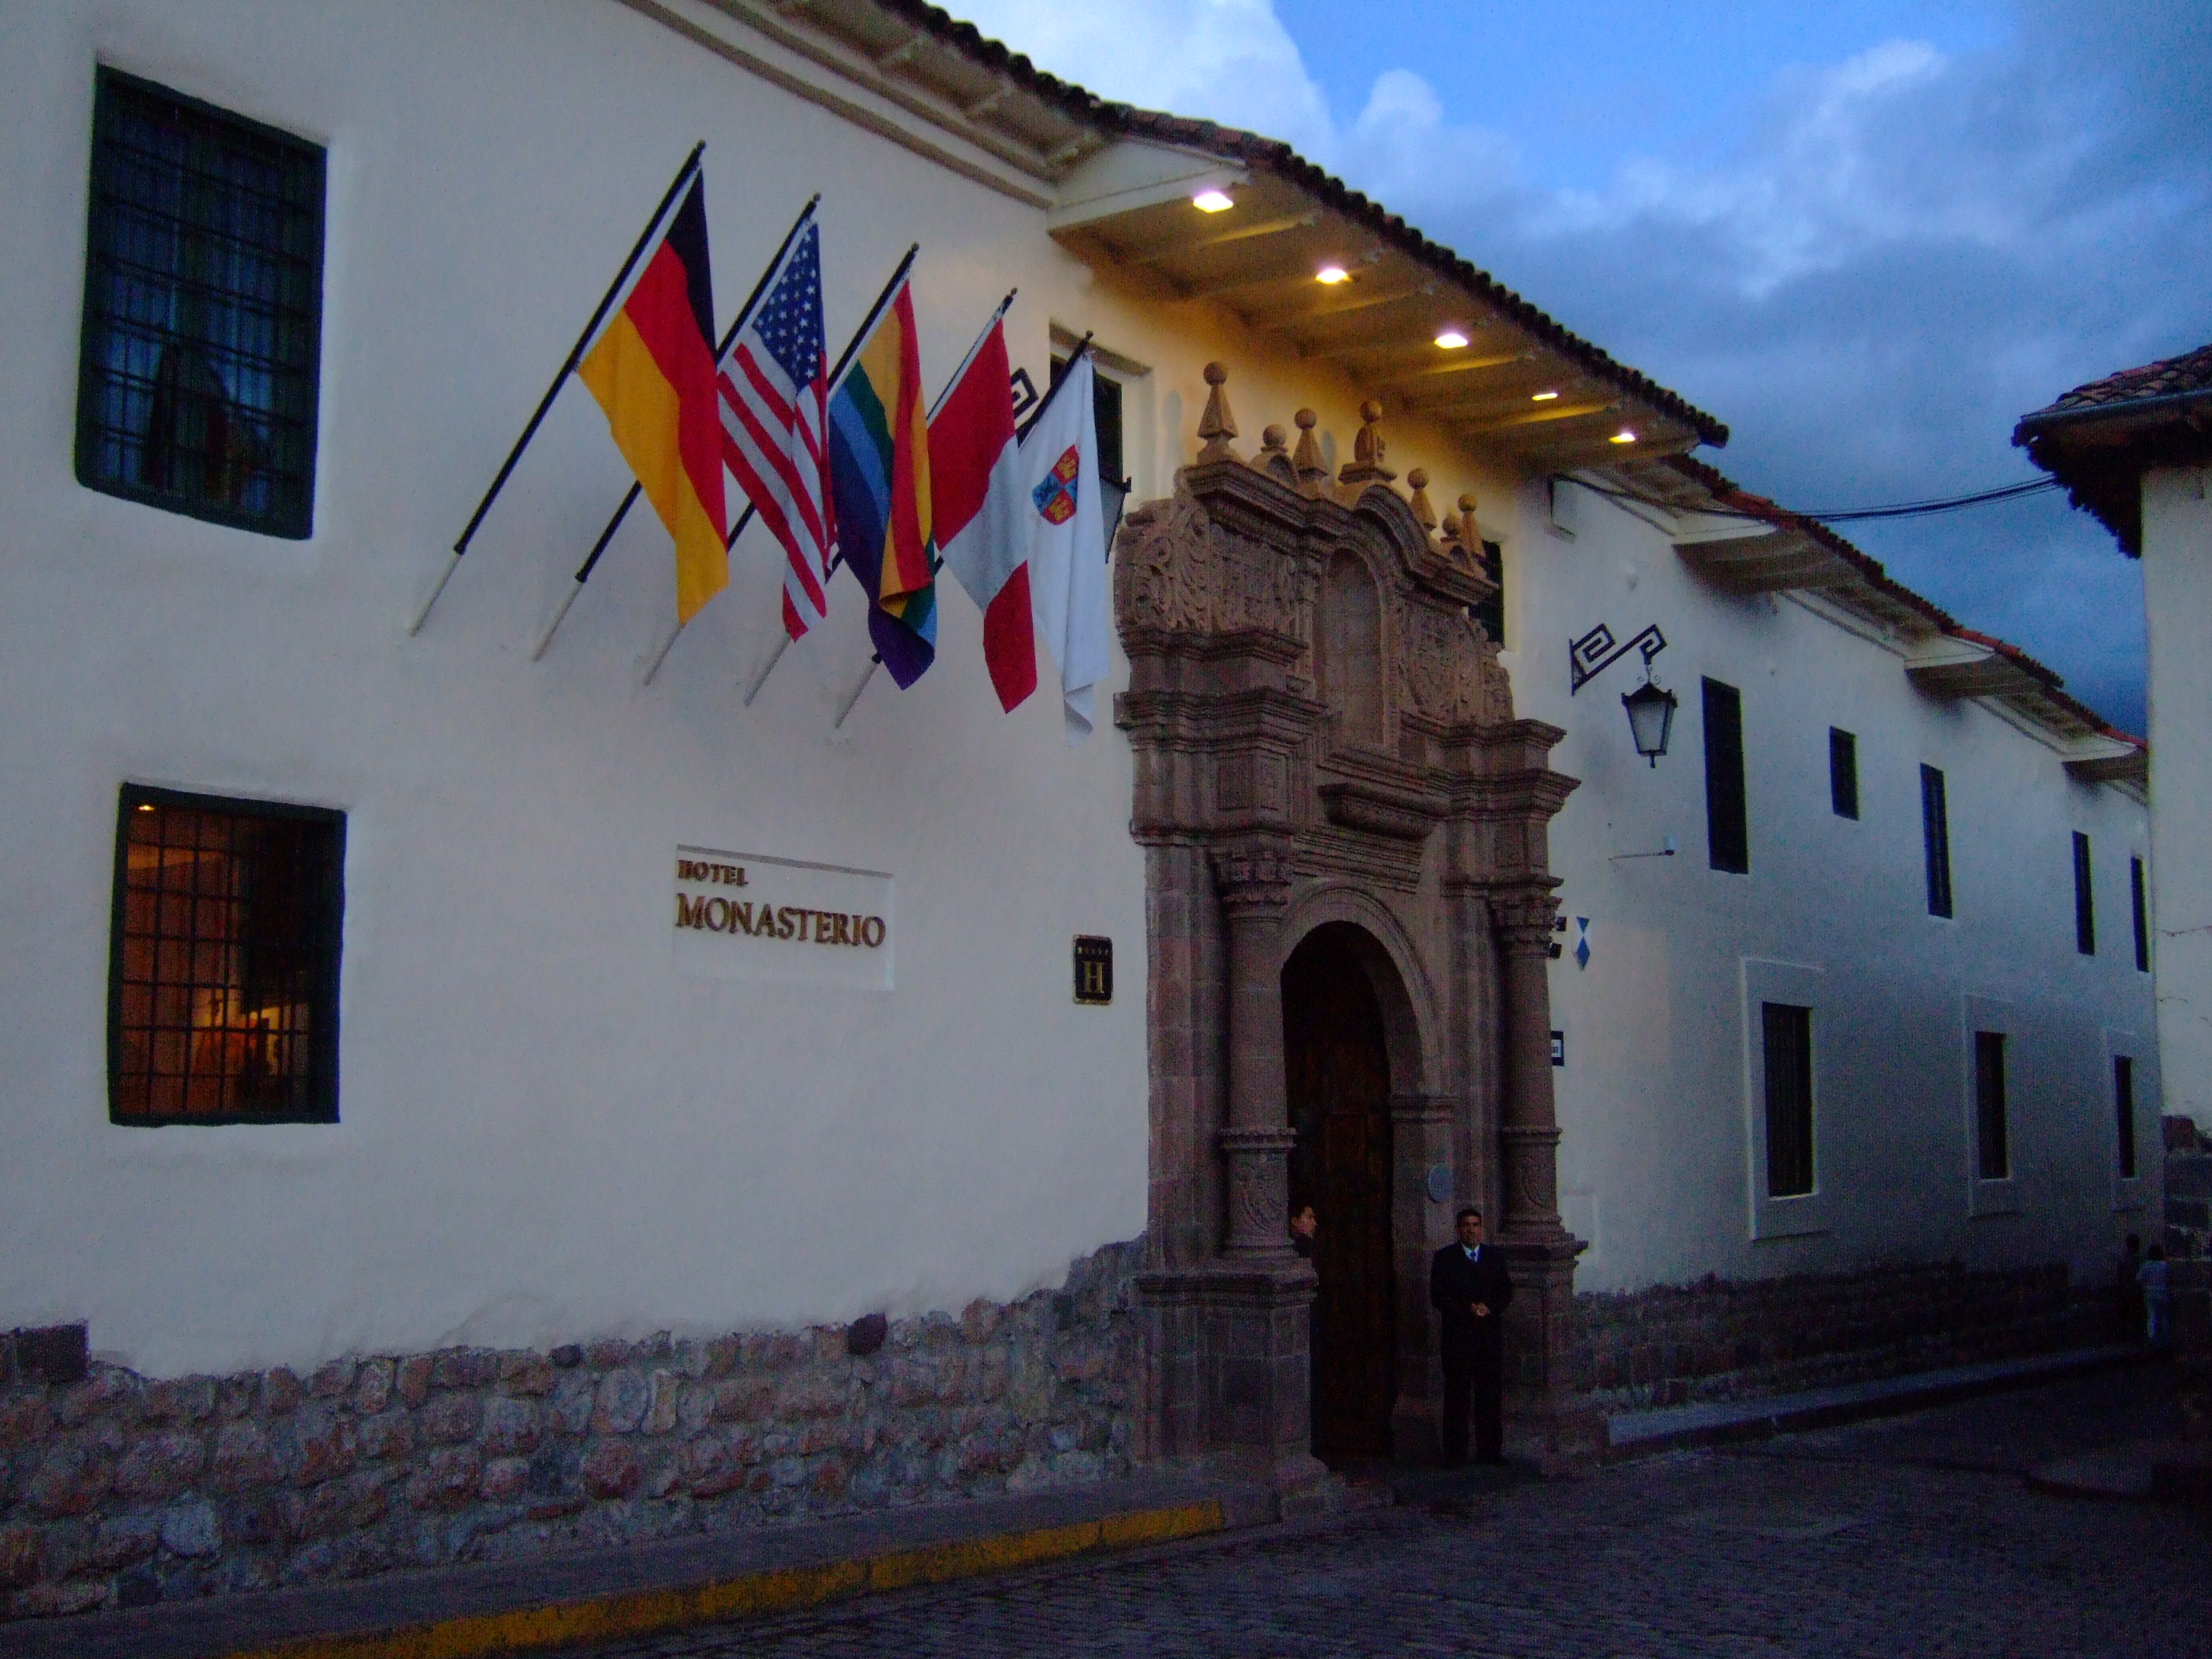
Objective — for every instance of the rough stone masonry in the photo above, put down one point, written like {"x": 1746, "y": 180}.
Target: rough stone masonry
{"x": 117, "y": 1490}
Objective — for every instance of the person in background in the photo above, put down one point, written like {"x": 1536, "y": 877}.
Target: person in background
{"x": 2152, "y": 1276}
{"x": 1468, "y": 1285}
{"x": 1304, "y": 1225}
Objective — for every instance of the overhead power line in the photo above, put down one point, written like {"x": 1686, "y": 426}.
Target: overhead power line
{"x": 1852, "y": 514}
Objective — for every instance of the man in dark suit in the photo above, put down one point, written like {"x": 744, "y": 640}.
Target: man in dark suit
{"x": 1468, "y": 1285}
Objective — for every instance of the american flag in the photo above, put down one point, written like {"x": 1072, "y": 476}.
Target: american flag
{"x": 775, "y": 382}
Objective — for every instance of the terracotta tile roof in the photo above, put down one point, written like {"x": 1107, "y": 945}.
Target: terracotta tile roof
{"x": 2099, "y": 438}
{"x": 1252, "y": 149}
{"x": 2050, "y": 686}
{"x": 2169, "y": 377}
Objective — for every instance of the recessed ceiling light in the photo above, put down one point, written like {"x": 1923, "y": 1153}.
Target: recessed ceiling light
{"x": 1623, "y": 436}
{"x": 1451, "y": 339}
{"x": 1331, "y": 275}
{"x": 1541, "y": 397}
{"x": 1213, "y": 201}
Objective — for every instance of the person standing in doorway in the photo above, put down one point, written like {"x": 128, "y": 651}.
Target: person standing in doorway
{"x": 1469, "y": 1286}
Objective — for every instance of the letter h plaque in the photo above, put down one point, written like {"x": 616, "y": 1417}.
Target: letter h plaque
{"x": 1094, "y": 968}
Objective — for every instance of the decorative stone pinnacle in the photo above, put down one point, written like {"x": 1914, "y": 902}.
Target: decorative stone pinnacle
{"x": 1469, "y": 537}
{"x": 1367, "y": 451}
{"x": 1313, "y": 476}
{"x": 1217, "y": 426}
{"x": 1274, "y": 442}
{"x": 1424, "y": 514}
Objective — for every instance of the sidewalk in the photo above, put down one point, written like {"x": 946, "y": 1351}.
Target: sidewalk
{"x": 507, "y": 1606}
{"x": 1636, "y": 1434}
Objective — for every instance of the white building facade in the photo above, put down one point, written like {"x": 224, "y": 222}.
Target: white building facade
{"x": 619, "y": 1197}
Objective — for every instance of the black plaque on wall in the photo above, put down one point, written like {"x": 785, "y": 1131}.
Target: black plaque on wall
{"x": 1094, "y": 968}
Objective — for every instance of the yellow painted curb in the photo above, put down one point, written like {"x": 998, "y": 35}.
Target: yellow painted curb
{"x": 644, "y": 1612}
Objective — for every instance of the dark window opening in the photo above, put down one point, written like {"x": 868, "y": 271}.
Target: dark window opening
{"x": 1106, "y": 413}
{"x": 2124, "y": 1112}
{"x": 203, "y": 299}
{"x": 1727, "y": 830}
{"x": 1788, "y": 1033}
{"x": 223, "y": 993}
{"x": 2085, "y": 899}
{"x": 1490, "y": 613}
{"x": 1936, "y": 836}
{"x": 2140, "y": 902}
{"x": 1842, "y": 773}
{"x": 1992, "y": 1151}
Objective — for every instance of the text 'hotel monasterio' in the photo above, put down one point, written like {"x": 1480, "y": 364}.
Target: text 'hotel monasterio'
{"x": 782, "y": 921}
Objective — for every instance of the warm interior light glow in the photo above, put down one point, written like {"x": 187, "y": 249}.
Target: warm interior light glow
{"x": 1542, "y": 397}
{"x": 1451, "y": 339}
{"x": 1213, "y": 201}
{"x": 1331, "y": 275}
{"x": 1624, "y": 436}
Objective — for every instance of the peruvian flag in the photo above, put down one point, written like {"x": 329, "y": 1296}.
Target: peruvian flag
{"x": 975, "y": 489}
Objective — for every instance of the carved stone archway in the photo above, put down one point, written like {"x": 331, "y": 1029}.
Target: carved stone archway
{"x": 1323, "y": 733}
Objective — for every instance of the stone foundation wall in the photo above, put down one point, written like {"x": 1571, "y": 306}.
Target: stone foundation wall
{"x": 2188, "y": 1217}
{"x": 1723, "y": 1340}
{"x": 119, "y": 1490}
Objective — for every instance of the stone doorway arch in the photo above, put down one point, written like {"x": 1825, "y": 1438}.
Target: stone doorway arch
{"x": 1297, "y": 768}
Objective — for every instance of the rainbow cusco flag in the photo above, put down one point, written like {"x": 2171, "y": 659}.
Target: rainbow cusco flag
{"x": 879, "y": 483}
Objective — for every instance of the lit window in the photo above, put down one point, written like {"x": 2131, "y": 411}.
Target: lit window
{"x": 223, "y": 977}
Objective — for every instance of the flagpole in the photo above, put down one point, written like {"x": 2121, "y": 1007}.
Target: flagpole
{"x": 745, "y": 314}
{"x": 874, "y": 662}
{"x": 684, "y": 174}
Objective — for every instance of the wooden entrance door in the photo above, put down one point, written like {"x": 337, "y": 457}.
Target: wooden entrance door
{"x": 1338, "y": 1073}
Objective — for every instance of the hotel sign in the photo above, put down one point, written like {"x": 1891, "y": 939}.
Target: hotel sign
{"x": 742, "y": 915}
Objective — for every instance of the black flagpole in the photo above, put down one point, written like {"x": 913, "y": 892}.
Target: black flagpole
{"x": 745, "y": 314}
{"x": 684, "y": 174}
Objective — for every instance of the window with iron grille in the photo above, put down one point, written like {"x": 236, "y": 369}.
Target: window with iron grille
{"x": 1727, "y": 829}
{"x": 2141, "y": 905}
{"x": 203, "y": 301}
{"x": 223, "y": 968}
{"x": 1935, "y": 840}
{"x": 2085, "y": 899}
{"x": 1992, "y": 1145}
{"x": 1788, "y": 1034}
{"x": 2124, "y": 1112}
{"x": 1842, "y": 773}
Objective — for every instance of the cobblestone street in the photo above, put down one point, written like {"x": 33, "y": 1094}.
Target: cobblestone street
{"x": 1912, "y": 1535}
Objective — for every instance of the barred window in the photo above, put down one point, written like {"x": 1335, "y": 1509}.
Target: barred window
{"x": 202, "y": 300}
{"x": 1992, "y": 1139}
{"x": 1787, "y": 1041}
{"x": 223, "y": 972}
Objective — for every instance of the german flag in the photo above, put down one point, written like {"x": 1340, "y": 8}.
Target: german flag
{"x": 653, "y": 371}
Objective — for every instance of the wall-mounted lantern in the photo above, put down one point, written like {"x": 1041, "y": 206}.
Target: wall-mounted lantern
{"x": 1650, "y": 708}
{"x": 1650, "y": 718}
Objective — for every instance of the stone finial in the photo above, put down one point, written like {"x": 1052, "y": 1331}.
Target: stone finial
{"x": 1366, "y": 465}
{"x": 1312, "y": 476}
{"x": 1469, "y": 537}
{"x": 1274, "y": 458}
{"x": 1217, "y": 426}
{"x": 1424, "y": 514}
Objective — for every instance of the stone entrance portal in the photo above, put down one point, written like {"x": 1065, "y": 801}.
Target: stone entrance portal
{"x": 1336, "y": 1071}
{"x": 1325, "y": 747}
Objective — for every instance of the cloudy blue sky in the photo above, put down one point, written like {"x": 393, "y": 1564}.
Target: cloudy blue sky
{"x": 1868, "y": 234}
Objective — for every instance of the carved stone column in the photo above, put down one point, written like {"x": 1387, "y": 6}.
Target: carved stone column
{"x": 1528, "y": 1127}
{"x": 1254, "y": 877}
{"x": 1544, "y": 1419}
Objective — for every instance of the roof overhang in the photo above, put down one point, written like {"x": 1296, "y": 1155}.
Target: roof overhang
{"x": 2099, "y": 452}
{"x": 2101, "y": 758}
{"x": 1130, "y": 209}
{"x": 1947, "y": 666}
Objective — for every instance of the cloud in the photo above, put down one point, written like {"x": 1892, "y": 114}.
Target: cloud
{"x": 1870, "y": 268}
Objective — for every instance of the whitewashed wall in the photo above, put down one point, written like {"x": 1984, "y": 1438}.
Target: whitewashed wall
{"x": 2178, "y": 599}
{"x": 1659, "y": 1098}
{"x": 547, "y": 1131}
